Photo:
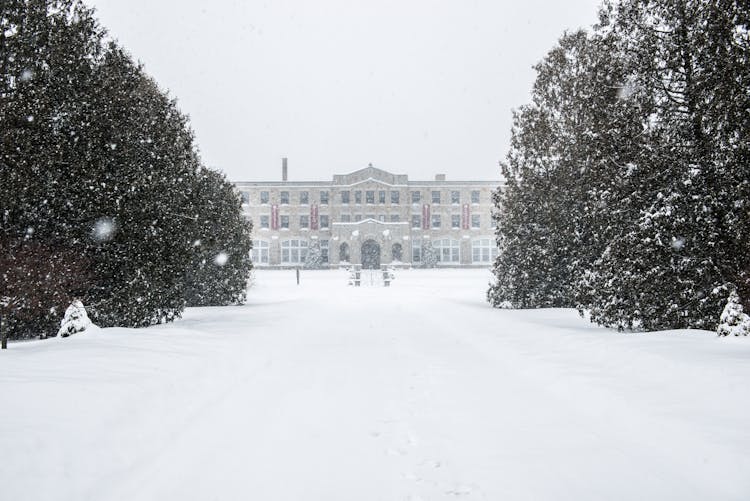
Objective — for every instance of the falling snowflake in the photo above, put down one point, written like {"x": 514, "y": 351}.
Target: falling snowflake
{"x": 678, "y": 243}
{"x": 221, "y": 258}
{"x": 26, "y": 75}
{"x": 104, "y": 229}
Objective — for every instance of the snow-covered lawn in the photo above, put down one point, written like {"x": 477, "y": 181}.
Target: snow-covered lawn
{"x": 417, "y": 391}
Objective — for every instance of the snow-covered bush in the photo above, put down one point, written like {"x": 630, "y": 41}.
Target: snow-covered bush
{"x": 75, "y": 320}
{"x": 734, "y": 321}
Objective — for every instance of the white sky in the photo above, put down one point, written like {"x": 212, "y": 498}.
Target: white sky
{"x": 414, "y": 86}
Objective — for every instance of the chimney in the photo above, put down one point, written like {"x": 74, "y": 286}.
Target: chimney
{"x": 439, "y": 177}
{"x": 284, "y": 172}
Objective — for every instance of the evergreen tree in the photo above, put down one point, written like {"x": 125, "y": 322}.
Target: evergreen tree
{"x": 429, "y": 255}
{"x": 734, "y": 321}
{"x": 314, "y": 259}
{"x": 685, "y": 244}
{"x": 220, "y": 267}
{"x": 568, "y": 149}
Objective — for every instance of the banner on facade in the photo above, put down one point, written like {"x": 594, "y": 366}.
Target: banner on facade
{"x": 465, "y": 217}
{"x": 314, "y": 217}
{"x": 274, "y": 217}
{"x": 426, "y": 216}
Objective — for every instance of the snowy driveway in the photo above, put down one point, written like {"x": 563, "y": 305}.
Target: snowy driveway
{"x": 418, "y": 391}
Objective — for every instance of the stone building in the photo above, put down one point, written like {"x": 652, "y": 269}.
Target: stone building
{"x": 370, "y": 217}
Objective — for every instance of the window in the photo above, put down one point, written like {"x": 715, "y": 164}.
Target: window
{"x": 259, "y": 254}
{"x": 416, "y": 197}
{"x": 357, "y": 197}
{"x": 436, "y": 197}
{"x": 323, "y": 198}
{"x": 381, "y": 218}
{"x": 483, "y": 250}
{"x": 448, "y": 250}
{"x": 381, "y": 197}
{"x": 456, "y": 221}
{"x": 304, "y": 222}
{"x": 265, "y": 221}
{"x": 284, "y": 197}
{"x": 370, "y": 196}
{"x": 245, "y": 195}
{"x": 455, "y": 197}
{"x": 435, "y": 221}
{"x": 395, "y": 218}
{"x": 344, "y": 197}
{"x": 304, "y": 197}
{"x": 285, "y": 222}
{"x": 416, "y": 221}
{"x": 293, "y": 251}
{"x": 323, "y": 221}
{"x": 264, "y": 197}
{"x": 324, "y": 251}
{"x": 395, "y": 197}
{"x": 416, "y": 251}
{"x": 345, "y": 218}
{"x": 475, "y": 221}
{"x": 357, "y": 217}
{"x": 475, "y": 196}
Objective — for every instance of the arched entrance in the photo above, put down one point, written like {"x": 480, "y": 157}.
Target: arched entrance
{"x": 370, "y": 255}
{"x": 397, "y": 252}
{"x": 344, "y": 252}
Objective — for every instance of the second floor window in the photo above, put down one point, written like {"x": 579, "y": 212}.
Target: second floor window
{"x": 344, "y": 197}
{"x": 455, "y": 197}
{"x": 381, "y": 197}
{"x": 285, "y": 222}
{"x": 475, "y": 197}
{"x": 284, "y": 197}
{"x": 455, "y": 221}
{"x": 245, "y": 197}
{"x": 370, "y": 197}
{"x": 323, "y": 198}
{"x": 395, "y": 197}
{"x": 475, "y": 221}
{"x": 265, "y": 221}
{"x": 304, "y": 222}
{"x": 324, "y": 220}
{"x": 416, "y": 221}
{"x": 416, "y": 197}
{"x": 436, "y": 221}
{"x": 436, "y": 197}
{"x": 304, "y": 197}
{"x": 264, "y": 197}
{"x": 357, "y": 197}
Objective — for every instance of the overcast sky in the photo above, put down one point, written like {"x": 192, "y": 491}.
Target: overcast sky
{"x": 417, "y": 87}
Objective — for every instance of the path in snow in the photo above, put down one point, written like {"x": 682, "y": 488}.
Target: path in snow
{"x": 418, "y": 391}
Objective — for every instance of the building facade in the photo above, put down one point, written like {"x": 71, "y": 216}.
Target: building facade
{"x": 370, "y": 217}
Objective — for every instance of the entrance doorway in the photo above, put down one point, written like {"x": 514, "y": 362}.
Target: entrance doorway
{"x": 370, "y": 255}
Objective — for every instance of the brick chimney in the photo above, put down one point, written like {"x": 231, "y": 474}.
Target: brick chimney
{"x": 284, "y": 171}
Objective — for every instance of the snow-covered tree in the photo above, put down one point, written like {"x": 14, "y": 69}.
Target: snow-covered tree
{"x": 734, "y": 321}
{"x": 314, "y": 259}
{"x": 75, "y": 320}
{"x": 429, "y": 255}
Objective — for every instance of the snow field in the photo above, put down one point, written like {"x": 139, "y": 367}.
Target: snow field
{"x": 417, "y": 391}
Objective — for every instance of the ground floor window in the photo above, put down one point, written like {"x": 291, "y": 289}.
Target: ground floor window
{"x": 416, "y": 251}
{"x": 483, "y": 250}
{"x": 344, "y": 252}
{"x": 324, "y": 251}
{"x": 448, "y": 250}
{"x": 293, "y": 251}
{"x": 260, "y": 251}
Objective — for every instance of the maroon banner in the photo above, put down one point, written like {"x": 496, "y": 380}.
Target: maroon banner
{"x": 314, "y": 217}
{"x": 274, "y": 217}
{"x": 465, "y": 217}
{"x": 426, "y": 216}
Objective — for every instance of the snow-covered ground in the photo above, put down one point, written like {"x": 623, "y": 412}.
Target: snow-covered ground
{"x": 417, "y": 391}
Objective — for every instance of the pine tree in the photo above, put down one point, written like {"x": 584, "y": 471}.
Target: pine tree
{"x": 429, "y": 255}
{"x": 314, "y": 259}
{"x": 734, "y": 321}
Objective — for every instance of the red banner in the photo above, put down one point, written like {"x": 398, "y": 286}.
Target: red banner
{"x": 274, "y": 217}
{"x": 465, "y": 217}
{"x": 426, "y": 216}
{"x": 314, "y": 217}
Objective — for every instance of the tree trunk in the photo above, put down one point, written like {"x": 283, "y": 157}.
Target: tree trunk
{"x": 3, "y": 334}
